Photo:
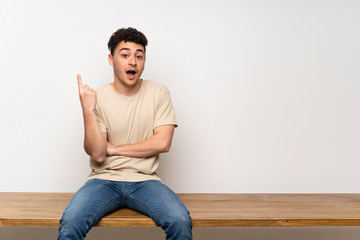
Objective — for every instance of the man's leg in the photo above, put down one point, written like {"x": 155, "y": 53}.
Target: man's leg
{"x": 89, "y": 205}
{"x": 158, "y": 201}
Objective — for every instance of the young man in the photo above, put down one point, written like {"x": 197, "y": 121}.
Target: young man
{"x": 128, "y": 123}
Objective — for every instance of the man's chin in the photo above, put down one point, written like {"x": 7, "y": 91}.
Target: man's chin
{"x": 132, "y": 82}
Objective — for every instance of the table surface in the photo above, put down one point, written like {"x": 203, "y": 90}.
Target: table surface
{"x": 206, "y": 210}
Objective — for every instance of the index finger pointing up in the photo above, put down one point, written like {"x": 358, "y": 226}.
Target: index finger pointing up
{"x": 80, "y": 84}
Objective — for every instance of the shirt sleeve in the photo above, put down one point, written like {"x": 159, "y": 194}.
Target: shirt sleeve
{"x": 100, "y": 119}
{"x": 164, "y": 114}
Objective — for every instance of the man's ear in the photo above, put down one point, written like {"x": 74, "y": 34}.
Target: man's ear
{"x": 110, "y": 59}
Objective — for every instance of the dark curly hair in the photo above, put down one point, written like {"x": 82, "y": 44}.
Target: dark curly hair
{"x": 128, "y": 35}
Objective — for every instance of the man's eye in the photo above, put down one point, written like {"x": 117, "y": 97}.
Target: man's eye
{"x": 124, "y": 55}
{"x": 139, "y": 57}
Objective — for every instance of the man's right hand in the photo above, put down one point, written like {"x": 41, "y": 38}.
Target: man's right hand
{"x": 94, "y": 140}
{"x": 87, "y": 97}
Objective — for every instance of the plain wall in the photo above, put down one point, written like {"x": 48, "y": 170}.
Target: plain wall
{"x": 266, "y": 93}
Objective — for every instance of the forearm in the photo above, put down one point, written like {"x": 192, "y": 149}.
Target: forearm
{"x": 160, "y": 142}
{"x": 94, "y": 140}
{"x": 147, "y": 148}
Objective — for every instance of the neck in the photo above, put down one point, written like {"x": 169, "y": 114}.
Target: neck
{"x": 126, "y": 90}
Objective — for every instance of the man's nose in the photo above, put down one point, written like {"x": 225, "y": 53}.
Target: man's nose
{"x": 132, "y": 60}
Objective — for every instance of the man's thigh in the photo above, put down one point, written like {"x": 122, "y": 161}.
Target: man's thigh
{"x": 156, "y": 200}
{"x": 94, "y": 200}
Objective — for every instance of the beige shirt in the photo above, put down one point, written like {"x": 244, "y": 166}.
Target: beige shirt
{"x": 129, "y": 120}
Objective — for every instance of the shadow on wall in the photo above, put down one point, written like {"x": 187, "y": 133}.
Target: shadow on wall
{"x": 261, "y": 233}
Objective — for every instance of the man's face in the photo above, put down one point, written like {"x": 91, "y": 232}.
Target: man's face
{"x": 128, "y": 62}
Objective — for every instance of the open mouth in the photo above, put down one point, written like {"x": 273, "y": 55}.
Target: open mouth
{"x": 131, "y": 73}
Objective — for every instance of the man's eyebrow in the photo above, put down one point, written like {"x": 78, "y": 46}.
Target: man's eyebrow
{"x": 128, "y": 49}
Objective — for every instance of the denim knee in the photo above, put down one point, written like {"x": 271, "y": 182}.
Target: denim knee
{"x": 72, "y": 226}
{"x": 179, "y": 227}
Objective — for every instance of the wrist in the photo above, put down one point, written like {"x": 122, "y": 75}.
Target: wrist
{"x": 89, "y": 112}
{"x": 112, "y": 149}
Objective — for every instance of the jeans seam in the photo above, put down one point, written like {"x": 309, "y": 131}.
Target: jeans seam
{"x": 151, "y": 209}
{"x": 102, "y": 207}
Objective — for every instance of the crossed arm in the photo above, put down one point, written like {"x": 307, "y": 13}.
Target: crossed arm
{"x": 95, "y": 141}
{"x": 158, "y": 143}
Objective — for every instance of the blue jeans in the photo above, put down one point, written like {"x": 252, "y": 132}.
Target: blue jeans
{"x": 97, "y": 198}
